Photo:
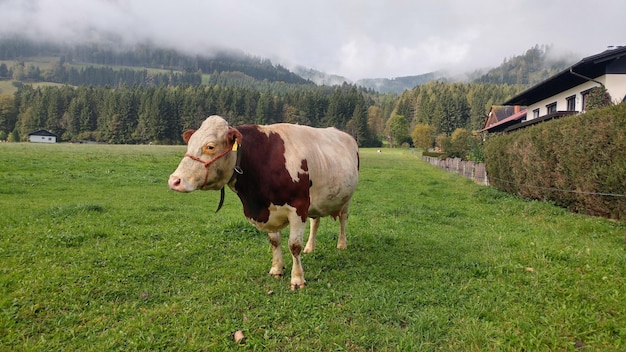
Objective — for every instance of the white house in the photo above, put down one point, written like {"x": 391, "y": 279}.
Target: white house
{"x": 566, "y": 92}
{"x": 42, "y": 136}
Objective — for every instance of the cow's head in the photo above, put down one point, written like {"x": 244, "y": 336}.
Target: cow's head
{"x": 209, "y": 163}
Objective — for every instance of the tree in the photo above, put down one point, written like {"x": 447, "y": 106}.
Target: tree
{"x": 334, "y": 111}
{"x": 598, "y": 98}
{"x": 4, "y": 71}
{"x": 8, "y": 113}
{"x": 375, "y": 121}
{"x": 14, "y": 136}
{"x": 263, "y": 109}
{"x": 34, "y": 114}
{"x": 423, "y": 136}
{"x": 425, "y": 108}
{"x": 404, "y": 108}
{"x": 54, "y": 108}
{"x": 360, "y": 129}
{"x": 442, "y": 141}
{"x": 18, "y": 71}
{"x": 398, "y": 128}
{"x": 290, "y": 114}
{"x": 151, "y": 126}
{"x": 69, "y": 123}
{"x": 359, "y": 121}
{"x": 460, "y": 143}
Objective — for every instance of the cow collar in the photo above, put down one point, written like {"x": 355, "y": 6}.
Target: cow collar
{"x": 236, "y": 171}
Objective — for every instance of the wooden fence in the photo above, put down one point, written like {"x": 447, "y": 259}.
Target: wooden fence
{"x": 469, "y": 169}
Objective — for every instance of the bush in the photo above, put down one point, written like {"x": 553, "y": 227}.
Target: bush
{"x": 598, "y": 98}
{"x": 13, "y": 136}
{"x": 476, "y": 150}
{"x": 435, "y": 155}
{"x": 567, "y": 161}
{"x": 423, "y": 136}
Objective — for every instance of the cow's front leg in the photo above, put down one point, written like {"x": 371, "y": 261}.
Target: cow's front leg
{"x": 296, "y": 233}
{"x": 310, "y": 244}
{"x": 277, "y": 257}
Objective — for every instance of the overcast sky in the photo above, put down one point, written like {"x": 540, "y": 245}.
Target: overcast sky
{"x": 353, "y": 38}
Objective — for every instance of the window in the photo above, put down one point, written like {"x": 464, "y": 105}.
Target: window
{"x": 571, "y": 103}
{"x": 551, "y": 108}
{"x": 536, "y": 113}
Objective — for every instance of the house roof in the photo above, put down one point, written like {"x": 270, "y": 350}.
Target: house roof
{"x": 502, "y": 124}
{"x": 498, "y": 113}
{"x": 42, "y": 133}
{"x": 591, "y": 66}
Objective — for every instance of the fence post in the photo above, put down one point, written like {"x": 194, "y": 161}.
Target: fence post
{"x": 467, "y": 168}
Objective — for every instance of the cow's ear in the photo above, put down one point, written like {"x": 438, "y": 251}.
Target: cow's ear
{"x": 187, "y": 134}
{"x": 233, "y": 136}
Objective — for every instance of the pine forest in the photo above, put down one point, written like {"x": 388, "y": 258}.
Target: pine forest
{"x": 150, "y": 95}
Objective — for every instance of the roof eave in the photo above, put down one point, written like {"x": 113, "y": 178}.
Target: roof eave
{"x": 526, "y": 97}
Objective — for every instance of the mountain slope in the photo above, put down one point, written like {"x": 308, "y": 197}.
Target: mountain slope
{"x": 320, "y": 78}
{"x": 399, "y": 84}
{"x": 382, "y": 85}
{"x": 537, "y": 64}
{"x": 148, "y": 56}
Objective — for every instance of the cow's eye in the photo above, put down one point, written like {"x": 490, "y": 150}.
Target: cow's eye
{"x": 209, "y": 148}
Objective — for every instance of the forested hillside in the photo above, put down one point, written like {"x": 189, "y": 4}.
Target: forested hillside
{"x": 160, "y": 114}
{"x": 145, "y": 94}
{"x": 145, "y": 56}
{"x": 382, "y": 85}
{"x": 450, "y": 105}
{"x": 445, "y": 107}
{"x": 537, "y": 64}
{"x": 397, "y": 85}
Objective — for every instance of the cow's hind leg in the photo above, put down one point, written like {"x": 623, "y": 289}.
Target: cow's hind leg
{"x": 310, "y": 244}
{"x": 277, "y": 257}
{"x": 296, "y": 233}
{"x": 343, "y": 218}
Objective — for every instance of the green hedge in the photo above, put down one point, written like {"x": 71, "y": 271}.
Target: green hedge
{"x": 435, "y": 155}
{"x": 567, "y": 161}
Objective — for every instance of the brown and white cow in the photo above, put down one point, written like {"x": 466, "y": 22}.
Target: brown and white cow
{"x": 282, "y": 173}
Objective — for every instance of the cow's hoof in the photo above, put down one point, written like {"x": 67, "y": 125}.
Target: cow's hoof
{"x": 308, "y": 250}
{"x": 277, "y": 273}
{"x": 297, "y": 286}
{"x": 342, "y": 246}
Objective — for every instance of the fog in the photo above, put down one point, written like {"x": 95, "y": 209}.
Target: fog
{"x": 353, "y": 38}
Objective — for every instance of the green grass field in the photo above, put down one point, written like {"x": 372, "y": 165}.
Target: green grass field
{"x": 97, "y": 254}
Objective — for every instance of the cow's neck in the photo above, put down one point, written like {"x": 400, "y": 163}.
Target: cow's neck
{"x": 237, "y": 169}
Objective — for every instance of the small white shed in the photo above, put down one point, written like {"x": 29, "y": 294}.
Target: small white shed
{"x": 42, "y": 136}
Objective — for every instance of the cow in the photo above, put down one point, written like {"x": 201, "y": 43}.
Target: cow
{"x": 282, "y": 173}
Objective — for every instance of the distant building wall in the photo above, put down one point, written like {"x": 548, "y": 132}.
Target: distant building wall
{"x": 561, "y": 100}
{"x": 42, "y": 139}
{"x": 616, "y": 85}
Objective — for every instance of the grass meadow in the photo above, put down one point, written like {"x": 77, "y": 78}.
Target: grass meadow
{"x": 96, "y": 253}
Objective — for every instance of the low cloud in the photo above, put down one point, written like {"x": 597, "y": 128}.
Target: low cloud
{"x": 356, "y": 39}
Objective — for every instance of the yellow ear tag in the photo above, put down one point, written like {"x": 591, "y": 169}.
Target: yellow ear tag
{"x": 235, "y": 146}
